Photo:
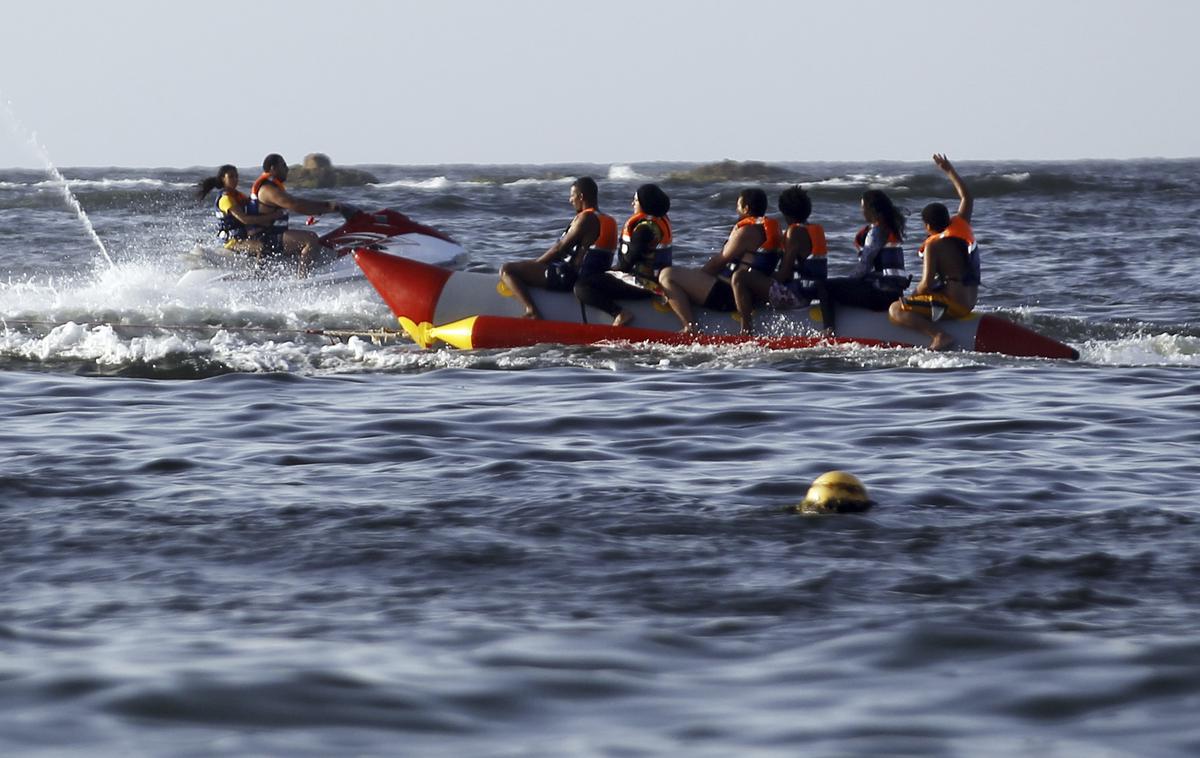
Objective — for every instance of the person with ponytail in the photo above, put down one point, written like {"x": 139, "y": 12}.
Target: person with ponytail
{"x": 236, "y": 227}
{"x": 879, "y": 279}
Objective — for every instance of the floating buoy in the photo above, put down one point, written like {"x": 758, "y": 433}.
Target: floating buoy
{"x": 835, "y": 492}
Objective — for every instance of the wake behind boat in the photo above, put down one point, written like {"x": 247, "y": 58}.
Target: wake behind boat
{"x": 386, "y": 231}
{"x": 442, "y": 304}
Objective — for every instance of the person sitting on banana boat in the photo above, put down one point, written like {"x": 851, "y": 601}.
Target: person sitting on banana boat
{"x": 586, "y": 248}
{"x": 800, "y": 277}
{"x": 645, "y": 250}
{"x": 754, "y": 242}
{"x": 950, "y": 276}
{"x": 879, "y": 278}
{"x": 237, "y": 229}
{"x": 268, "y": 195}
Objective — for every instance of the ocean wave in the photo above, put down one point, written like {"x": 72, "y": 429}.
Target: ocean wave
{"x": 136, "y": 183}
{"x": 433, "y": 183}
{"x": 146, "y": 293}
{"x": 1162, "y": 349}
{"x": 1019, "y": 177}
{"x": 536, "y": 181}
{"x": 620, "y": 172}
{"x": 862, "y": 181}
{"x": 180, "y": 344}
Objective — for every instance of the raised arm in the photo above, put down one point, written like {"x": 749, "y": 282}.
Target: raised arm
{"x": 966, "y": 203}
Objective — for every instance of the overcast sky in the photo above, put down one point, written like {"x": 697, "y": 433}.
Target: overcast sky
{"x": 177, "y": 84}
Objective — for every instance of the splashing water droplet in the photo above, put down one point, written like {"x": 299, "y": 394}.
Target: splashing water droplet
{"x": 60, "y": 180}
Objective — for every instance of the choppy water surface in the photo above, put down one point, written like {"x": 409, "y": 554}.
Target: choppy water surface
{"x": 225, "y": 536}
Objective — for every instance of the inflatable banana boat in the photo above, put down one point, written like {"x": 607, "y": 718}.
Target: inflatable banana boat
{"x": 476, "y": 310}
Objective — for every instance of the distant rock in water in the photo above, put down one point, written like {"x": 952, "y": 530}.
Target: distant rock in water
{"x": 733, "y": 171}
{"x": 319, "y": 172}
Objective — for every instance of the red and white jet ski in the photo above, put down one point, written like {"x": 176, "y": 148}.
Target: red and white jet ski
{"x": 386, "y": 232}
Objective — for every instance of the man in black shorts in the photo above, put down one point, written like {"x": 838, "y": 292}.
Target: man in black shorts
{"x": 587, "y": 246}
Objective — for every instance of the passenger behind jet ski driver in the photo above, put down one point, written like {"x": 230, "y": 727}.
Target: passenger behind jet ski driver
{"x": 753, "y": 243}
{"x": 268, "y": 194}
{"x": 235, "y": 227}
{"x": 644, "y": 251}
{"x": 879, "y": 278}
{"x": 802, "y": 270}
{"x": 950, "y": 276}
{"x": 586, "y": 248}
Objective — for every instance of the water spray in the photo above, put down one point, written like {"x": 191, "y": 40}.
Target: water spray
{"x": 60, "y": 180}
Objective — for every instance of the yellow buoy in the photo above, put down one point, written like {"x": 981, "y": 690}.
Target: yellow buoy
{"x": 835, "y": 492}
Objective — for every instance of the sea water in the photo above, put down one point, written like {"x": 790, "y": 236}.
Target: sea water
{"x": 224, "y": 535}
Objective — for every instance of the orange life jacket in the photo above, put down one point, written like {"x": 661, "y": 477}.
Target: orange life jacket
{"x": 961, "y": 230}
{"x": 254, "y": 208}
{"x": 607, "y": 239}
{"x": 765, "y": 257}
{"x": 662, "y": 222}
{"x": 599, "y": 256}
{"x": 815, "y": 266}
{"x": 958, "y": 229}
{"x": 658, "y": 257}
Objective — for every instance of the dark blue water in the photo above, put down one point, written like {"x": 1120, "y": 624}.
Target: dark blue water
{"x": 223, "y": 536}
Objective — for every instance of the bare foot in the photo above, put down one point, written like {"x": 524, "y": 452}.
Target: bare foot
{"x": 532, "y": 314}
{"x": 941, "y": 342}
{"x": 690, "y": 328}
{"x": 623, "y": 318}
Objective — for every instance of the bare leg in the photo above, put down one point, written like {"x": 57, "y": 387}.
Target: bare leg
{"x": 938, "y": 340}
{"x": 683, "y": 286}
{"x": 749, "y": 288}
{"x": 516, "y": 275}
{"x": 304, "y": 246}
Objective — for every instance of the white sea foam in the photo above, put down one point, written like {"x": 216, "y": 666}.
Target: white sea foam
{"x": 433, "y": 183}
{"x": 1143, "y": 350}
{"x": 896, "y": 181}
{"x": 134, "y": 183}
{"x": 531, "y": 181}
{"x": 620, "y": 172}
